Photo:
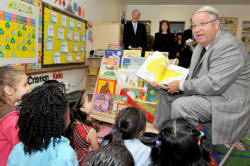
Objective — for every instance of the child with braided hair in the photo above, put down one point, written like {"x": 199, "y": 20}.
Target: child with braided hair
{"x": 43, "y": 119}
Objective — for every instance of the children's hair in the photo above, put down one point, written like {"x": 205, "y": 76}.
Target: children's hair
{"x": 111, "y": 155}
{"x": 177, "y": 144}
{"x": 129, "y": 123}
{"x": 56, "y": 83}
{"x": 7, "y": 78}
{"x": 41, "y": 117}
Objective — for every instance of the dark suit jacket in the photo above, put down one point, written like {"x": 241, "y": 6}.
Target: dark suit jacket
{"x": 134, "y": 40}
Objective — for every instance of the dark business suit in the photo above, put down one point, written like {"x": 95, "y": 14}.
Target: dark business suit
{"x": 134, "y": 40}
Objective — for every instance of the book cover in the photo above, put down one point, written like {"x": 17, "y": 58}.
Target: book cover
{"x": 127, "y": 77}
{"x": 110, "y": 61}
{"x": 102, "y": 102}
{"x": 157, "y": 68}
{"x": 153, "y": 95}
{"x": 132, "y": 53}
{"x": 132, "y": 62}
{"x": 121, "y": 106}
{"x": 149, "y": 107}
{"x": 106, "y": 86}
{"x": 117, "y": 54}
{"x": 108, "y": 72}
{"x": 117, "y": 99}
{"x": 149, "y": 53}
{"x": 136, "y": 94}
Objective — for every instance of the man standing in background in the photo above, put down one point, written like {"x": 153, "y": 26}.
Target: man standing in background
{"x": 134, "y": 34}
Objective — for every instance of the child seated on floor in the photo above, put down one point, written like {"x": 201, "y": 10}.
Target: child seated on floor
{"x": 111, "y": 155}
{"x": 181, "y": 143}
{"x": 130, "y": 124}
{"x": 43, "y": 118}
{"x": 81, "y": 131}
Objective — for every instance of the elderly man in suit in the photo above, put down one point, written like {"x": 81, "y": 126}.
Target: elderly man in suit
{"x": 217, "y": 88}
{"x": 134, "y": 33}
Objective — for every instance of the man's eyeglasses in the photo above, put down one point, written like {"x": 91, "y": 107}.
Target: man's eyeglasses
{"x": 202, "y": 24}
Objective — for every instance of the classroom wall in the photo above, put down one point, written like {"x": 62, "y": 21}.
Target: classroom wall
{"x": 155, "y": 13}
{"x": 95, "y": 11}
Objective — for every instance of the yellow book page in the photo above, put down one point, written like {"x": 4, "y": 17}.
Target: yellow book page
{"x": 169, "y": 74}
{"x": 158, "y": 67}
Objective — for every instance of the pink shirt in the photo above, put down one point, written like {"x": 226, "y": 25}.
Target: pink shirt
{"x": 8, "y": 135}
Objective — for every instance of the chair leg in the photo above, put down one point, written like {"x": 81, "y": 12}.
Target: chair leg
{"x": 227, "y": 155}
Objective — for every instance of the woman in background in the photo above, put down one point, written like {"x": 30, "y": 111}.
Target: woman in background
{"x": 164, "y": 40}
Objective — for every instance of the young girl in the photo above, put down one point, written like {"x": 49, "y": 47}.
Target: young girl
{"x": 43, "y": 118}
{"x": 111, "y": 155}
{"x": 83, "y": 137}
{"x": 181, "y": 143}
{"x": 130, "y": 123}
{"x": 13, "y": 84}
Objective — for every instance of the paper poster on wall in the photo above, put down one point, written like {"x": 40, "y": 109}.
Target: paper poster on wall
{"x": 79, "y": 25}
{"x": 56, "y": 57}
{"x": 50, "y": 31}
{"x": 69, "y": 35}
{"x": 18, "y": 32}
{"x": 76, "y": 36}
{"x": 78, "y": 57}
{"x": 71, "y": 24}
{"x": 82, "y": 37}
{"x": 53, "y": 17}
{"x": 69, "y": 57}
{"x": 75, "y": 48}
{"x": 60, "y": 33}
{"x": 64, "y": 21}
{"x": 49, "y": 44}
{"x": 67, "y": 48}
{"x": 81, "y": 48}
{"x": 64, "y": 47}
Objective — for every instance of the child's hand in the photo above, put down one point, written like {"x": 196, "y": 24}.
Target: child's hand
{"x": 91, "y": 135}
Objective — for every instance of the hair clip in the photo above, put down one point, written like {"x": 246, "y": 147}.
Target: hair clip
{"x": 202, "y": 134}
{"x": 158, "y": 142}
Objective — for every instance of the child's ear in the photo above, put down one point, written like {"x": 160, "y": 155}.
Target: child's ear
{"x": 8, "y": 90}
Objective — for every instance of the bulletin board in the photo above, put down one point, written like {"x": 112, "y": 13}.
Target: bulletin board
{"x": 229, "y": 24}
{"x": 64, "y": 38}
{"x": 19, "y": 32}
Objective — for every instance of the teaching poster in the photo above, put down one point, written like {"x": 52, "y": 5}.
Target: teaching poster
{"x": 63, "y": 38}
{"x": 19, "y": 22}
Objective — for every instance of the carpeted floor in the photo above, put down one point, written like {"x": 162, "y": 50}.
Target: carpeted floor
{"x": 238, "y": 157}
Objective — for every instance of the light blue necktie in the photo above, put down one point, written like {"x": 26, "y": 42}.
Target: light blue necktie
{"x": 134, "y": 26}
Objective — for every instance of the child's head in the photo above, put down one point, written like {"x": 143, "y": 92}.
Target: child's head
{"x": 181, "y": 143}
{"x": 111, "y": 155}
{"x": 56, "y": 83}
{"x": 130, "y": 123}
{"x": 44, "y": 114}
{"x": 13, "y": 85}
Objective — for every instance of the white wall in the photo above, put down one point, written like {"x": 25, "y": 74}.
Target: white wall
{"x": 95, "y": 11}
{"x": 155, "y": 13}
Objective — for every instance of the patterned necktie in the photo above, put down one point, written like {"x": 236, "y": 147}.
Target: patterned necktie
{"x": 198, "y": 61}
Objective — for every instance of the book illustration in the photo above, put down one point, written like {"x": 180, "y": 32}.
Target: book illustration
{"x": 101, "y": 102}
{"x": 149, "y": 107}
{"x": 106, "y": 86}
{"x": 132, "y": 62}
{"x": 117, "y": 54}
{"x": 117, "y": 99}
{"x": 149, "y": 53}
{"x": 153, "y": 95}
{"x": 131, "y": 53}
{"x": 157, "y": 68}
{"x": 110, "y": 61}
{"x": 114, "y": 47}
{"x": 121, "y": 106}
{"x": 108, "y": 72}
{"x": 127, "y": 78}
{"x": 136, "y": 94}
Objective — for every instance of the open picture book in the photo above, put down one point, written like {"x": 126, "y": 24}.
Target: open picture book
{"x": 157, "y": 68}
